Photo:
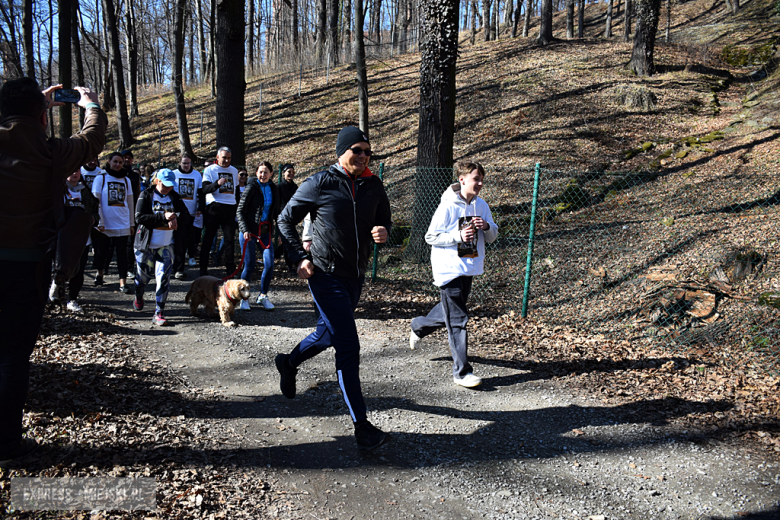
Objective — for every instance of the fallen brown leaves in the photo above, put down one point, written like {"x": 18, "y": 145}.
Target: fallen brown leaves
{"x": 101, "y": 407}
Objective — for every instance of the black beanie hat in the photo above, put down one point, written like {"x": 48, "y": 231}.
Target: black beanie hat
{"x": 348, "y": 136}
{"x": 286, "y": 166}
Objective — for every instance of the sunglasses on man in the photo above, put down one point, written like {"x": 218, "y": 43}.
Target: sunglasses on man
{"x": 359, "y": 151}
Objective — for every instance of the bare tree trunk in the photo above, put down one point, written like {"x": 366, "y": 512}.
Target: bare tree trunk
{"x": 123, "y": 122}
{"x": 486, "y": 19}
{"x": 360, "y": 62}
{"x": 250, "y": 42}
{"x": 648, "y": 12}
{"x": 608, "y": 27}
{"x": 229, "y": 45}
{"x": 27, "y": 38}
{"x": 65, "y": 67}
{"x": 473, "y": 21}
{"x": 347, "y": 36}
{"x": 201, "y": 39}
{"x": 185, "y": 147}
{"x": 436, "y": 127}
{"x": 319, "y": 47}
{"x": 735, "y": 6}
{"x": 516, "y": 22}
{"x": 494, "y": 27}
{"x": 545, "y": 23}
{"x": 529, "y": 7}
{"x": 132, "y": 57}
{"x": 12, "y": 61}
{"x": 569, "y": 19}
{"x": 212, "y": 48}
{"x": 376, "y": 11}
{"x": 76, "y": 43}
{"x": 581, "y": 19}
{"x": 628, "y": 13}
{"x": 668, "y": 19}
{"x": 295, "y": 37}
{"x": 333, "y": 31}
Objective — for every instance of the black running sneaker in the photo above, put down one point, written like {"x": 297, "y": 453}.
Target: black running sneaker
{"x": 369, "y": 437}
{"x": 287, "y": 373}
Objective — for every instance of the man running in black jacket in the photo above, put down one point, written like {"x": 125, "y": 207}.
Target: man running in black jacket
{"x": 349, "y": 212}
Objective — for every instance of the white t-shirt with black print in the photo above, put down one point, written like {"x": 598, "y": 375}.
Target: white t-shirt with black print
{"x": 88, "y": 176}
{"x": 161, "y": 236}
{"x": 226, "y": 194}
{"x": 116, "y": 204}
{"x": 187, "y": 186}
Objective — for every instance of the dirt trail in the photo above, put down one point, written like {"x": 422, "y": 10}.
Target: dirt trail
{"x": 517, "y": 448}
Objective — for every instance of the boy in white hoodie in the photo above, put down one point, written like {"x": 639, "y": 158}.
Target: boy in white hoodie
{"x": 458, "y": 232}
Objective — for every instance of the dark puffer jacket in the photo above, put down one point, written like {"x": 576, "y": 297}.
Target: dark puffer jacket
{"x": 250, "y": 207}
{"x": 343, "y": 212}
{"x": 147, "y": 220}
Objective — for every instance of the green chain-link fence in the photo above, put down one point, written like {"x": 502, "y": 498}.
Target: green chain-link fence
{"x": 671, "y": 258}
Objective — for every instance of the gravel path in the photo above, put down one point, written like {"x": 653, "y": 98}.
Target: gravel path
{"x": 518, "y": 447}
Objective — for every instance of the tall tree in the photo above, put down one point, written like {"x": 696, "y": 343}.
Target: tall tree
{"x": 486, "y": 19}
{"x": 65, "y": 66}
{"x": 608, "y": 27}
{"x": 436, "y": 127}
{"x": 545, "y": 23}
{"x": 627, "y": 14}
{"x": 360, "y": 65}
{"x": 27, "y": 38}
{"x": 77, "y": 54}
{"x": 333, "y": 31}
{"x": 319, "y": 38}
{"x": 131, "y": 43}
{"x": 185, "y": 146}
{"x": 529, "y": 7}
{"x": 123, "y": 122}
{"x": 647, "y": 14}
{"x": 581, "y": 19}
{"x": 250, "y": 34}
{"x": 201, "y": 39}
{"x": 516, "y": 23}
{"x": 9, "y": 47}
{"x": 569, "y": 19}
{"x": 229, "y": 48}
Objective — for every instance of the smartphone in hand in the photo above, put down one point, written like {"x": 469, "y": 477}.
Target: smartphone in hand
{"x": 67, "y": 95}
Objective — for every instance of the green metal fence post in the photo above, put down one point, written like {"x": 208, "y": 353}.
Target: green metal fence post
{"x": 376, "y": 246}
{"x": 530, "y": 254}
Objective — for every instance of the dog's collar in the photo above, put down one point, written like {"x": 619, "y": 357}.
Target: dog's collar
{"x": 224, "y": 289}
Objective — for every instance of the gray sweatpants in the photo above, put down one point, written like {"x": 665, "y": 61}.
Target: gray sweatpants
{"x": 451, "y": 313}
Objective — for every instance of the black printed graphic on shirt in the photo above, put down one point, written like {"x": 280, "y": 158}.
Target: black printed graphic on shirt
{"x": 117, "y": 191}
{"x": 228, "y": 186}
{"x": 88, "y": 180}
{"x": 162, "y": 207}
{"x": 187, "y": 189}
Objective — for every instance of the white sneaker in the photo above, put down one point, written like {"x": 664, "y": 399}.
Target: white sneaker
{"x": 192, "y": 262}
{"x": 469, "y": 381}
{"x": 74, "y": 307}
{"x": 54, "y": 292}
{"x": 244, "y": 305}
{"x": 414, "y": 340}
{"x": 265, "y": 302}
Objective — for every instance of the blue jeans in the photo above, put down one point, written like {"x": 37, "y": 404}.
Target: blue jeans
{"x": 157, "y": 264}
{"x": 336, "y": 298}
{"x": 250, "y": 260}
{"x": 21, "y": 312}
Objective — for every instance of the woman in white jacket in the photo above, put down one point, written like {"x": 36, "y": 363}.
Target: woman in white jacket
{"x": 458, "y": 232}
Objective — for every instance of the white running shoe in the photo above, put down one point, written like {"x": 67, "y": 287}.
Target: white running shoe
{"x": 265, "y": 302}
{"x": 244, "y": 305}
{"x": 414, "y": 340}
{"x": 192, "y": 262}
{"x": 74, "y": 307}
{"x": 469, "y": 381}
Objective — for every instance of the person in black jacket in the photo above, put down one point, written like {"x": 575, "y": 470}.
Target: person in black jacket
{"x": 287, "y": 189}
{"x": 257, "y": 211}
{"x": 349, "y": 212}
{"x": 76, "y": 195}
{"x": 158, "y": 214}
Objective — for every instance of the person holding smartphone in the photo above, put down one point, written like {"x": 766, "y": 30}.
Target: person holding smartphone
{"x": 160, "y": 212}
{"x": 458, "y": 232}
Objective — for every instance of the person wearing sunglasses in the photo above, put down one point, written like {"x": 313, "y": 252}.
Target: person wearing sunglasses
{"x": 350, "y": 212}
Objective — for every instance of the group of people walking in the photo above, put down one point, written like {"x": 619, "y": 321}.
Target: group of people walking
{"x": 346, "y": 207}
{"x": 162, "y": 221}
